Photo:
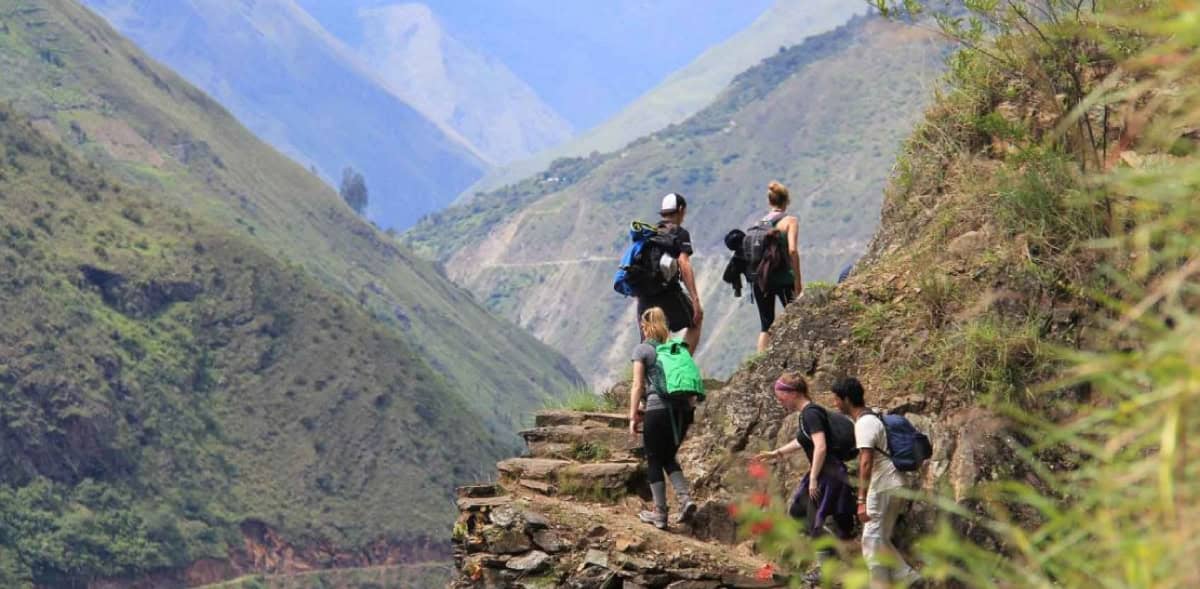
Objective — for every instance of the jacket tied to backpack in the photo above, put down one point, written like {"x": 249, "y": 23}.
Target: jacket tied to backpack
{"x": 759, "y": 253}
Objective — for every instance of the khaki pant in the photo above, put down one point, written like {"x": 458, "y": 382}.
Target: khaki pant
{"x": 884, "y": 560}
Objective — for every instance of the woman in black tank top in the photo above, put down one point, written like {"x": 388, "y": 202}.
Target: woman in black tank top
{"x": 784, "y": 284}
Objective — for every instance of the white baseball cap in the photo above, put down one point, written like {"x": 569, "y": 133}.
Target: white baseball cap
{"x": 672, "y": 202}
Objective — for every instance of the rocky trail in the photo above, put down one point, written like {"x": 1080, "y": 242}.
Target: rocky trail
{"x": 565, "y": 515}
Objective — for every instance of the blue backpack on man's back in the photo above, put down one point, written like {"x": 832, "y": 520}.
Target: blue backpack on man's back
{"x": 908, "y": 448}
{"x": 648, "y": 266}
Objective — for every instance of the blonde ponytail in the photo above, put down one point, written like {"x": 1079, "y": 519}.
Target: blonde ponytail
{"x": 654, "y": 324}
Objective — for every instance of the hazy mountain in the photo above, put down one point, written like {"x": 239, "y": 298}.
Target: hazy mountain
{"x": 693, "y": 86}
{"x": 302, "y": 90}
{"x": 477, "y": 96}
{"x": 202, "y": 341}
{"x": 825, "y": 117}
{"x": 587, "y": 60}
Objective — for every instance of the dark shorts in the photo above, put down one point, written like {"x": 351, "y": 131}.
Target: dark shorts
{"x": 674, "y": 303}
{"x": 766, "y": 303}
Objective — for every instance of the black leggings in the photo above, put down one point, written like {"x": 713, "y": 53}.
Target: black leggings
{"x": 766, "y": 303}
{"x": 659, "y": 438}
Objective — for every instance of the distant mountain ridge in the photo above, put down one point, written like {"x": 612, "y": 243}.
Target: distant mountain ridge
{"x": 691, "y": 88}
{"x": 825, "y": 117}
{"x": 306, "y": 93}
{"x": 478, "y": 97}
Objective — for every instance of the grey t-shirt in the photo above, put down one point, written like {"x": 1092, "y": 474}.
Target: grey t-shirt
{"x": 644, "y": 353}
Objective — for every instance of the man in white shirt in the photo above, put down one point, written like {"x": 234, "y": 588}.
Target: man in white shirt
{"x": 878, "y": 505}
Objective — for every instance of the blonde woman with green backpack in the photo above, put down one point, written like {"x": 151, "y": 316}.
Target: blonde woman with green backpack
{"x": 666, "y": 377}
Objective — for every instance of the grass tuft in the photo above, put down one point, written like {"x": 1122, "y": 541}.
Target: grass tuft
{"x": 583, "y": 400}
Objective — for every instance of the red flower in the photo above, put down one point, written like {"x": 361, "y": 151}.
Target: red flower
{"x": 766, "y": 573}
{"x": 762, "y": 500}
{"x": 733, "y": 510}
{"x": 757, "y": 470}
{"x": 761, "y": 527}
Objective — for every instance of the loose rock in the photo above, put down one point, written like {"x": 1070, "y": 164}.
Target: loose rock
{"x": 549, "y": 541}
{"x": 533, "y": 562}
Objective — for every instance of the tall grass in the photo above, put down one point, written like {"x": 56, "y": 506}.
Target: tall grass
{"x": 581, "y": 399}
{"x": 1119, "y": 504}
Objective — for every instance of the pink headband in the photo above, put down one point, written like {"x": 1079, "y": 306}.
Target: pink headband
{"x": 783, "y": 387}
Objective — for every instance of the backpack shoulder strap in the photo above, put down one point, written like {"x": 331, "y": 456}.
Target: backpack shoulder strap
{"x": 871, "y": 412}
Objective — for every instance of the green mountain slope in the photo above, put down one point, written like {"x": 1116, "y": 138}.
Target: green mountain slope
{"x": 81, "y": 82}
{"x": 824, "y": 117}
{"x": 208, "y": 335}
{"x": 163, "y": 380}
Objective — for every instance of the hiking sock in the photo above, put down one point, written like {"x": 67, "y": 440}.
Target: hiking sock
{"x": 682, "y": 493}
{"x": 659, "y": 491}
{"x": 687, "y": 508}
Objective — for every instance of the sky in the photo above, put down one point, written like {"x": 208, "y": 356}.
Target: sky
{"x": 585, "y": 58}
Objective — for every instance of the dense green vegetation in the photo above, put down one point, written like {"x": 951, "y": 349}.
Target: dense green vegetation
{"x": 1073, "y": 177}
{"x": 825, "y": 117}
{"x": 162, "y": 381}
{"x": 197, "y": 332}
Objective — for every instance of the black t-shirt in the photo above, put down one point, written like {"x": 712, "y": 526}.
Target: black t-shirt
{"x": 813, "y": 419}
{"x": 683, "y": 239}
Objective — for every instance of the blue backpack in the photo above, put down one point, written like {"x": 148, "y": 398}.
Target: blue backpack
{"x": 908, "y": 448}
{"x": 642, "y": 272}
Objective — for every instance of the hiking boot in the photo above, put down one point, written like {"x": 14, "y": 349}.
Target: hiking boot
{"x": 686, "y": 513}
{"x": 656, "y": 518}
{"x": 812, "y": 578}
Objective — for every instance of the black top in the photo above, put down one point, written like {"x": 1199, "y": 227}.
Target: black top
{"x": 812, "y": 420}
{"x": 683, "y": 239}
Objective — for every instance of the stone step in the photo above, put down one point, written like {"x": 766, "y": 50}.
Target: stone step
{"x": 580, "y": 453}
{"x": 597, "y": 481}
{"x": 582, "y": 443}
{"x": 479, "y": 490}
{"x": 531, "y": 468}
{"x": 552, "y": 417}
{"x": 482, "y": 503}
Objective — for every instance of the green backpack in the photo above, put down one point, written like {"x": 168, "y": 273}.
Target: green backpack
{"x": 680, "y": 374}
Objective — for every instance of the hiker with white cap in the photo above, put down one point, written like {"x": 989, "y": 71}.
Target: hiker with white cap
{"x": 682, "y": 308}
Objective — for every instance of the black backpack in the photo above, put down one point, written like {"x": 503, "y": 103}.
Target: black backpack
{"x": 839, "y": 439}
{"x": 757, "y": 240}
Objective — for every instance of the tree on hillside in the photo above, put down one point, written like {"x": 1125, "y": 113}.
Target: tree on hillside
{"x": 354, "y": 190}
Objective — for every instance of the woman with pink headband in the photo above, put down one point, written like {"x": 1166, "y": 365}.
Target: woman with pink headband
{"x": 825, "y": 490}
